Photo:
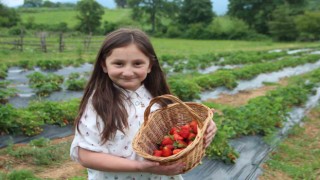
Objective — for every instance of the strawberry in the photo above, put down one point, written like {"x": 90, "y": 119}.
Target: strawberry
{"x": 166, "y": 152}
{"x": 177, "y": 137}
{"x": 173, "y": 130}
{"x": 166, "y": 140}
{"x": 170, "y": 146}
{"x": 180, "y": 144}
{"x": 184, "y": 131}
{"x": 189, "y": 142}
{"x": 176, "y": 151}
{"x": 194, "y": 126}
{"x": 192, "y": 136}
{"x": 157, "y": 153}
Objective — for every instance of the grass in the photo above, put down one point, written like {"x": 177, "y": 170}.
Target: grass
{"x": 297, "y": 157}
{"x": 74, "y": 48}
{"x": 68, "y": 16}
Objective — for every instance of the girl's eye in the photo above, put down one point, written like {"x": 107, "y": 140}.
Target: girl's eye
{"x": 118, "y": 64}
{"x": 138, "y": 63}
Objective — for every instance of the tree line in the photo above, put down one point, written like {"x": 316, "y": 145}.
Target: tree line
{"x": 282, "y": 20}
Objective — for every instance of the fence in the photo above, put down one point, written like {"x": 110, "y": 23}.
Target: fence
{"x": 51, "y": 43}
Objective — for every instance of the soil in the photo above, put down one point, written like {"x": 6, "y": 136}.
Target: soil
{"x": 72, "y": 169}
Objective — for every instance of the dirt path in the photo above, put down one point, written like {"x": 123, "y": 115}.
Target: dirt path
{"x": 243, "y": 97}
{"x": 72, "y": 169}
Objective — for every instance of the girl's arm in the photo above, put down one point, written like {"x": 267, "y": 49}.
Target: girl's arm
{"x": 107, "y": 162}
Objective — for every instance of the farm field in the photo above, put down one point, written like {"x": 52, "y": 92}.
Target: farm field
{"x": 230, "y": 76}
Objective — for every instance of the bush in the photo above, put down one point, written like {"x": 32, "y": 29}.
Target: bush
{"x": 308, "y": 26}
{"x": 228, "y": 28}
{"x": 173, "y": 31}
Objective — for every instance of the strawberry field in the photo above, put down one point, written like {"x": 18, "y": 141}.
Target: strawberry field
{"x": 42, "y": 95}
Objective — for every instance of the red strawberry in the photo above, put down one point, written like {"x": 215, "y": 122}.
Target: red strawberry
{"x": 157, "y": 153}
{"x": 176, "y": 151}
{"x": 166, "y": 152}
{"x": 194, "y": 126}
{"x": 173, "y": 130}
{"x": 170, "y": 146}
{"x": 184, "y": 132}
{"x": 177, "y": 137}
{"x": 166, "y": 140}
{"x": 180, "y": 144}
{"x": 192, "y": 136}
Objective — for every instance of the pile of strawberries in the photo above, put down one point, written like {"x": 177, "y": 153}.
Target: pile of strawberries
{"x": 177, "y": 139}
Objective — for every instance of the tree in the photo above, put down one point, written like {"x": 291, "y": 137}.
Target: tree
{"x": 154, "y": 10}
{"x": 90, "y": 15}
{"x": 314, "y": 5}
{"x": 8, "y": 16}
{"x": 308, "y": 25}
{"x": 283, "y": 27}
{"x": 121, "y": 3}
{"x": 32, "y": 3}
{"x": 258, "y": 13}
{"x": 196, "y": 11}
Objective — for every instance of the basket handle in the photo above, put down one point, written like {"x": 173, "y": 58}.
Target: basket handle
{"x": 173, "y": 98}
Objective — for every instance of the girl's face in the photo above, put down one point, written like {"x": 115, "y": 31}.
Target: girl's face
{"x": 127, "y": 67}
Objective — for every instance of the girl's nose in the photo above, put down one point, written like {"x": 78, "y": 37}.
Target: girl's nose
{"x": 128, "y": 71}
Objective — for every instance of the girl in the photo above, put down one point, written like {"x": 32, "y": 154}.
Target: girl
{"x": 125, "y": 77}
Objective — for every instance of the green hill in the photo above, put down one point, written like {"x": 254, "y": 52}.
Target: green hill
{"x": 56, "y": 16}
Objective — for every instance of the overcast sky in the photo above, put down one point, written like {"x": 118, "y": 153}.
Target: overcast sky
{"x": 219, "y": 6}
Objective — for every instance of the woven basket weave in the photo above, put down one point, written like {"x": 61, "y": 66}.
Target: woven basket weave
{"x": 158, "y": 123}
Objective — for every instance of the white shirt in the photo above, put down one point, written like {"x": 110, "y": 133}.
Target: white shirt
{"x": 91, "y": 126}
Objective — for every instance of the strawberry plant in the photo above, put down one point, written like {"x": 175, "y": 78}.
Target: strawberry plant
{"x": 49, "y": 64}
{"x": 45, "y": 84}
{"x": 5, "y": 92}
{"x": 3, "y": 70}
{"x": 75, "y": 82}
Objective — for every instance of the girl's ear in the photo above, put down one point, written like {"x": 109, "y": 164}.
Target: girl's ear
{"x": 104, "y": 67}
{"x": 149, "y": 68}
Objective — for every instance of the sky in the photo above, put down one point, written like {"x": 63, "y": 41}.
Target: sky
{"x": 219, "y": 6}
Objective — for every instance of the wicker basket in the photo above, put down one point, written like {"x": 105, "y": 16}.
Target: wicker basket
{"x": 159, "y": 123}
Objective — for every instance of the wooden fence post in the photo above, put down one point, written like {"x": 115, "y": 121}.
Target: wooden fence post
{"x": 87, "y": 41}
{"x": 21, "y": 39}
{"x": 43, "y": 41}
{"x": 61, "y": 42}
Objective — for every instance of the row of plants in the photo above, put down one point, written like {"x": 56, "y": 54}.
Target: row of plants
{"x": 189, "y": 86}
{"x": 179, "y": 63}
{"x": 186, "y": 87}
{"x": 45, "y": 84}
{"x": 263, "y": 115}
{"x": 175, "y": 63}
{"x": 30, "y": 120}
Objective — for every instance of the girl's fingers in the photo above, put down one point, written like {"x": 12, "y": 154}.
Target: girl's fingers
{"x": 210, "y": 133}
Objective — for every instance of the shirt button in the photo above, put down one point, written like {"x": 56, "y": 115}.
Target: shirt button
{"x": 137, "y": 103}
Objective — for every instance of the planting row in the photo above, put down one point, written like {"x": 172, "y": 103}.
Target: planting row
{"x": 185, "y": 86}
{"x": 263, "y": 115}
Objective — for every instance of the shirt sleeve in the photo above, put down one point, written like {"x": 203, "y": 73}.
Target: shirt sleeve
{"x": 89, "y": 136}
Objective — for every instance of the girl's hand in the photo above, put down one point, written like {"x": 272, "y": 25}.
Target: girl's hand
{"x": 210, "y": 132}
{"x": 156, "y": 168}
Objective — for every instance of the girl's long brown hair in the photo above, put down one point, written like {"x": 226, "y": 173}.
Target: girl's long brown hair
{"x": 107, "y": 100}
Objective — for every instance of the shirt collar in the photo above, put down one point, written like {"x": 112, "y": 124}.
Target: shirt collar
{"x": 130, "y": 94}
